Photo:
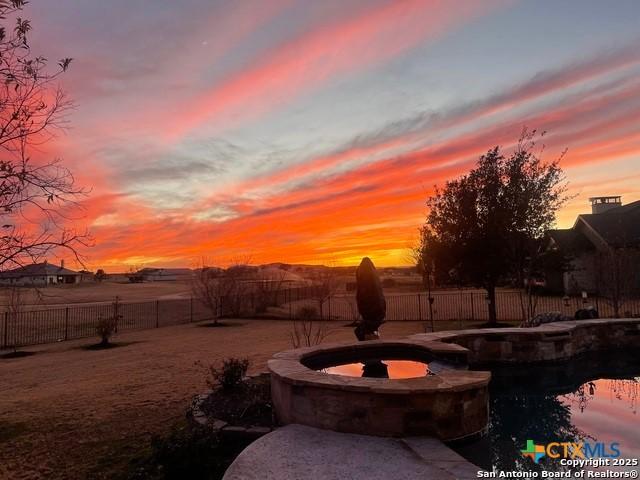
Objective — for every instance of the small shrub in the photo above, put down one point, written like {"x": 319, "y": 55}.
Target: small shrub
{"x": 105, "y": 329}
{"x": 230, "y": 375}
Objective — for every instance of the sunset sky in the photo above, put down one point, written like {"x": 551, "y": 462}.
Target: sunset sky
{"x": 313, "y": 131}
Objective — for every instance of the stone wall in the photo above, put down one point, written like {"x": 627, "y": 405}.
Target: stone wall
{"x": 547, "y": 343}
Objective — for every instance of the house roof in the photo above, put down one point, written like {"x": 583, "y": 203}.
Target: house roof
{"x": 36, "y": 270}
{"x": 619, "y": 226}
{"x": 570, "y": 240}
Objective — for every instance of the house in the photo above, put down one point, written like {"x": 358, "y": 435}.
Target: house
{"x": 40, "y": 274}
{"x": 161, "y": 275}
{"x": 602, "y": 247}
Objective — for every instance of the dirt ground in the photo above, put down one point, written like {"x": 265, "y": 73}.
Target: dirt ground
{"x": 68, "y": 412}
{"x": 91, "y": 292}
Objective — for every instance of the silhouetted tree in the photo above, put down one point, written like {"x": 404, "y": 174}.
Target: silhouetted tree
{"x": 33, "y": 193}
{"x": 481, "y": 227}
{"x": 100, "y": 275}
{"x": 516, "y": 417}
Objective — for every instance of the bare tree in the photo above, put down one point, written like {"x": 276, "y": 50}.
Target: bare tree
{"x": 306, "y": 330}
{"x": 424, "y": 263}
{"x": 207, "y": 287}
{"x": 15, "y": 307}
{"x": 36, "y": 196}
{"x": 325, "y": 285}
{"x": 224, "y": 292}
{"x": 617, "y": 276}
{"x": 534, "y": 267}
{"x": 268, "y": 286}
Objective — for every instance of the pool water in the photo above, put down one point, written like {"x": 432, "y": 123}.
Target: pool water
{"x": 393, "y": 369}
{"x": 588, "y": 400}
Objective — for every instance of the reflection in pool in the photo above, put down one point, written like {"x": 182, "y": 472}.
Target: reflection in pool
{"x": 587, "y": 400}
{"x": 393, "y": 369}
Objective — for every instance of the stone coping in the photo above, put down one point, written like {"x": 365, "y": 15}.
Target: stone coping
{"x": 544, "y": 343}
{"x": 289, "y": 367}
{"x": 302, "y": 452}
{"x": 545, "y": 329}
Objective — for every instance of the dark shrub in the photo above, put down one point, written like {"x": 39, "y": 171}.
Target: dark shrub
{"x": 105, "y": 329}
{"x": 186, "y": 452}
{"x": 230, "y": 375}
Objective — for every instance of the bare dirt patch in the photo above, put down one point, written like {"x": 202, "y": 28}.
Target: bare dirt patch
{"x": 88, "y": 413}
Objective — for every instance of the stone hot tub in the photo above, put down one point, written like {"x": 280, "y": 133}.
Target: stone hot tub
{"x": 444, "y": 400}
{"x": 451, "y": 404}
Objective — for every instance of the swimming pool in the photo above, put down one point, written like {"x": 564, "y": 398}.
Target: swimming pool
{"x": 592, "y": 399}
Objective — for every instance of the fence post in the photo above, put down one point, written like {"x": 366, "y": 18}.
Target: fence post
{"x": 66, "y": 323}
{"x": 190, "y": 309}
{"x": 157, "y": 313}
{"x": 116, "y": 312}
{"x": 6, "y": 330}
{"x": 419, "y": 308}
{"x": 473, "y": 315}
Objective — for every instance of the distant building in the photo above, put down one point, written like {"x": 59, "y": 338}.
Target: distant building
{"x": 611, "y": 227}
{"x": 161, "y": 275}
{"x": 40, "y": 274}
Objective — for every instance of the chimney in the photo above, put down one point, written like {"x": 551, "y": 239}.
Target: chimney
{"x": 62, "y": 263}
{"x": 604, "y": 204}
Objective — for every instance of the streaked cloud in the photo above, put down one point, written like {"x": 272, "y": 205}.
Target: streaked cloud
{"x": 184, "y": 129}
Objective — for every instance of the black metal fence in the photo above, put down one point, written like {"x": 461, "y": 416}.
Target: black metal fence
{"x": 469, "y": 306}
{"x": 31, "y": 326}
{"x": 55, "y": 324}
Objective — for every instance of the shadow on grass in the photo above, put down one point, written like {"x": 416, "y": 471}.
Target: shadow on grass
{"x": 220, "y": 324}
{"x": 18, "y": 354}
{"x": 108, "y": 346}
{"x": 183, "y": 452}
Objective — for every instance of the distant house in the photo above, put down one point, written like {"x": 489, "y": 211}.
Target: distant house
{"x": 611, "y": 227}
{"x": 40, "y": 274}
{"x": 161, "y": 275}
